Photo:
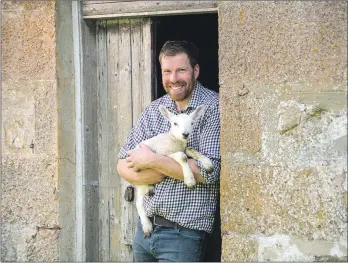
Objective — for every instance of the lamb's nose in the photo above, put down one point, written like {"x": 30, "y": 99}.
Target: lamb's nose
{"x": 185, "y": 135}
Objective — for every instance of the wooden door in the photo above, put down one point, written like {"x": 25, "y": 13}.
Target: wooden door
{"x": 124, "y": 67}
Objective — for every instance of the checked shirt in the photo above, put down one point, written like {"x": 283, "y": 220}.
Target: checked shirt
{"x": 192, "y": 208}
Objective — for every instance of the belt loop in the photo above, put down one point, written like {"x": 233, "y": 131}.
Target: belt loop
{"x": 154, "y": 220}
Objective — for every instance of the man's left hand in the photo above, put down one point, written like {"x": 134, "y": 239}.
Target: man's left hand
{"x": 139, "y": 159}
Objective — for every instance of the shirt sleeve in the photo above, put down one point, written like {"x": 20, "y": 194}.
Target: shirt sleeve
{"x": 137, "y": 135}
{"x": 209, "y": 143}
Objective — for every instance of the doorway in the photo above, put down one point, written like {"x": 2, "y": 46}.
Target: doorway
{"x": 202, "y": 30}
{"x": 125, "y": 50}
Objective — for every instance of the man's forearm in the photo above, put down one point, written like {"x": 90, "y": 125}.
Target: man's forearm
{"x": 171, "y": 168}
{"x": 146, "y": 176}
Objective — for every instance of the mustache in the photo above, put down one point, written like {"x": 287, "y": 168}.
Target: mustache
{"x": 178, "y": 83}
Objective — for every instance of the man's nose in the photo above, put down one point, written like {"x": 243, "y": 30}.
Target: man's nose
{"x": 173, "y": 77}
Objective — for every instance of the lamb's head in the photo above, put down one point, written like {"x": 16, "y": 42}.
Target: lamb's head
{"x": 182, "y": 124}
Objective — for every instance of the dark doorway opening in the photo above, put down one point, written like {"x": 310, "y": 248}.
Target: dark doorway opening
{"x": 202, "y": 30}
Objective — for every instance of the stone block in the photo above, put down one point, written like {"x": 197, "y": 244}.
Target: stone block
{"x": 18, "y": 111}
{"x": 238, "y": 248}
{"x": 29, "y": 117}
{"x": 241, "y": 124}
{"x": 264, "y": 42}
{"x": 291, "y": 248}
{"x": 29, "y": 190}
{"x": 28, "y": 41}
{"x": 247, "y": 208}
{"x": 30, "y": 223}
{"x": 264, "y": 199}
{"x": 29, "y": 243}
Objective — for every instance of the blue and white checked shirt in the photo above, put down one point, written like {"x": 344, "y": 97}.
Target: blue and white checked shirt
{"x": 192, "y": 208}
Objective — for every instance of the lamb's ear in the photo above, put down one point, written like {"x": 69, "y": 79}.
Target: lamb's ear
{"x": 165, "y": 113}
{"x": 198, "y": 112}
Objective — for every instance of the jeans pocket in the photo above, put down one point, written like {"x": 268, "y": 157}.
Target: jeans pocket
{"x": 191, "y": 234}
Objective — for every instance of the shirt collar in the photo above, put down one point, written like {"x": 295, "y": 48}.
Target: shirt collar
{"x": 195, "y": 100}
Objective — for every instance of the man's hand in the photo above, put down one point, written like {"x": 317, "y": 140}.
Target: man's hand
{"x": 143, "y": 166}
{"x": 140, "y": 159}
{"x": 146, "y": 176}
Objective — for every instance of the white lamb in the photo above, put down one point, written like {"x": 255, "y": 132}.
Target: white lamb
{"x": 174, "y": 145}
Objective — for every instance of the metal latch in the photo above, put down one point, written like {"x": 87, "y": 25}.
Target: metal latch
{"x": 129, "y": 193}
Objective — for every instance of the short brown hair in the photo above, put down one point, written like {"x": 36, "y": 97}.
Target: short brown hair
{"x": 174, "y": 47}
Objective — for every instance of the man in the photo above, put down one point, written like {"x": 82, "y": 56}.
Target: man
{"x": 182, "y": 217}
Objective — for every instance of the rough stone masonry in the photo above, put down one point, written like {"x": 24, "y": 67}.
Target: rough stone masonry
{"x": 30, "y": 227}
{"x": 283, "y": 76}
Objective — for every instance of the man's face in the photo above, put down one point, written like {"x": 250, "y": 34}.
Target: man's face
{"x": 178, "y": 77}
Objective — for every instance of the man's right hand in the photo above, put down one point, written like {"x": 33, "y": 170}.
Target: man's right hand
{"x": 146, "y": 176}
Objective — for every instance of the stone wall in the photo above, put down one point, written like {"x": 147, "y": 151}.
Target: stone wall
{"x": 283, "y": 89}
{"x": 283, "y": 77}
{"x": 30, "y": 227}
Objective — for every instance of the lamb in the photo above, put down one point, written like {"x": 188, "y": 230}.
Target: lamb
{"x": 174, "y": 145}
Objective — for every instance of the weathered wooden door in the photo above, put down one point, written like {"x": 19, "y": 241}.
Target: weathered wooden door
{"x": 124, "y": 89}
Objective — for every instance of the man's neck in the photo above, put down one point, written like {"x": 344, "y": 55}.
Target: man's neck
{"x": 181, "y": 105}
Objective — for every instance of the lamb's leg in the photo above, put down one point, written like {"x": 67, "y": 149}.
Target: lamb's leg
{"x": 207, "y": 164}
{"x": 142, "y": 190}
{"x": 181, "y": 158}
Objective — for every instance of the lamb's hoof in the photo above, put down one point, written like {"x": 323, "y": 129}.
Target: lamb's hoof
{"x": 147, "y": 229}
{"x": 190, "y": 183}
{"x": 207, "y": 164}
{"x": 147, "y": 235}
{"x": 209, "y": 169}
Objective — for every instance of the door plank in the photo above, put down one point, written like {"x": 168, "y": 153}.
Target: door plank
{"x": 103, "y": 172}
{"x": 124, "y": 90}
{"x": 137, "y": 61}
{"x": 147, "y": 63}
{"x": 125, "y": 123}
{"x": 114, "y": 145}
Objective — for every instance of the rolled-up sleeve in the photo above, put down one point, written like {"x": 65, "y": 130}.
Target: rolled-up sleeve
{"x": 209, "y": 143}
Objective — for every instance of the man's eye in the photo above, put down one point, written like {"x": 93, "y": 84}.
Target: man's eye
{"x": 175, "y": 124}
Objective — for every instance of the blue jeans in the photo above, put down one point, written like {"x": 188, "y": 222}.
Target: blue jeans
{"x": 169, "y": 244}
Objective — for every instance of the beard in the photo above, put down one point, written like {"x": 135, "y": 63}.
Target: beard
{"x": 180, "y": 90}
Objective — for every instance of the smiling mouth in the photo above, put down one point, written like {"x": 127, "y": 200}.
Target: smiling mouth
{"x": 176, "y": 88}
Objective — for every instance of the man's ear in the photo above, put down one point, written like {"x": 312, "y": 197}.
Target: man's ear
{"x": 165, "y": 113}
{"x": 196, "y": 71}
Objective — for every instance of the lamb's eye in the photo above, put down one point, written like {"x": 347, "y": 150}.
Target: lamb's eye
{"x": 175, "y": 124}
